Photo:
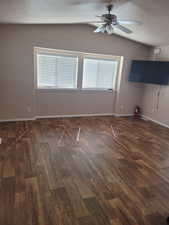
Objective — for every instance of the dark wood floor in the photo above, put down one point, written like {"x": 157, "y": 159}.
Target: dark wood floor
{"x": 84, "y": 171}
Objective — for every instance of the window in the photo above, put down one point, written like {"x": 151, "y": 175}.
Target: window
{"x": 61, "y": 69}
{"x": 99, "y": 73}
{"x": 57, "y": 71}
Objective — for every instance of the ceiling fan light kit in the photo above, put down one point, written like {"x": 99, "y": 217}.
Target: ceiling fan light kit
{"x": 109, "y": 28}
{"x": 105, "y": 28}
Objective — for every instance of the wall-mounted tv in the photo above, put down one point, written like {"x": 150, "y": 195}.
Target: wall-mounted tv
{"x": 151, "y": 72}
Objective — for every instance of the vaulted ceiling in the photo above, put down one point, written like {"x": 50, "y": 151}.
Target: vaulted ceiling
{"x": 154, "y": 15}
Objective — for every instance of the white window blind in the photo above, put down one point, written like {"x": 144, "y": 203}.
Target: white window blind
{"x": 99, "y": 73}
{"x": 57, "y": 71}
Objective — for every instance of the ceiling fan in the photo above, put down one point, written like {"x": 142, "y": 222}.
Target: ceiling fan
{"x": 109, "y": 22}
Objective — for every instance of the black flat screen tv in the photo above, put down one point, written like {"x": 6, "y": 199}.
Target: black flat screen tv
{"x": 151, "y": 72}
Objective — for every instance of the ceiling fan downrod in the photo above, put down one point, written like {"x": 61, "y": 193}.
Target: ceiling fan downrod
{"x": 110, "y": 7}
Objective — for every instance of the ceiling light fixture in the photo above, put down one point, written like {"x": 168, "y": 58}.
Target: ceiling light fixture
{"x": 105, "y": 28}
{"x": 109, "y": 22}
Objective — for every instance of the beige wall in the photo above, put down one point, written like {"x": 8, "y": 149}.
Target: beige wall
{"x": 151, "y": 108}
{"x": 18, "y": 97}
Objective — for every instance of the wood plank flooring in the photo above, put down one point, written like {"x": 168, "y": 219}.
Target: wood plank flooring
{"x": 84, "y": 171}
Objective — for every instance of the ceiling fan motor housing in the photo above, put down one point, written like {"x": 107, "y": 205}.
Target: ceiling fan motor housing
{"x": 110, "y": 18}
{"x": 109, "y": 21}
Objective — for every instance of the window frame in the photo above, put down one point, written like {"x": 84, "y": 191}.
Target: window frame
{"x": 54, "y": 53}
{"x": 100, "y": 57}
{"x": 80, "y": 65}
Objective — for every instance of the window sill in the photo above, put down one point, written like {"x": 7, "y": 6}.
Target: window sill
{"x": 73, "y": 89}
{"x": 96, "y": 90}
{"x": 57, "y": 89}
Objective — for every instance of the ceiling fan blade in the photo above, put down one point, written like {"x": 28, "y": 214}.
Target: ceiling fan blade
{"x": 86, "y": 22}
{"x": 130, "y": 22}
{"x": 95, "y": 4}
{"x": 97, "y": 30}
{"x": 101, "y": 2}
{"x": 78, "y": 2}
{"x": 101, "y": 29}
{"x": 124, "y": 29}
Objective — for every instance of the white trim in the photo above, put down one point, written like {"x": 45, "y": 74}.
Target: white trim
{"x": 75, "y": 115}
{"x": 75, "y": 89}
{"x": 123, "y": 115}
{"x": 69, "y": 52}
{"x": 55, "y": 116}
{"x": 80, "y": 60}
{"x": 18, "y": 119}
{"x": 97, "y": 89}
{"x": 82, "y": 115}
{"x": 65, "y": 116}
{"x": 56, "y": 88}
{"x": 155, "y": 121}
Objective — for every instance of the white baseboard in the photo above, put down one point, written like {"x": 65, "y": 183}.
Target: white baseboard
{"x": 18, "y": 119}
{"x": 55, "y": 116}
{"x": 84, "y": 115}
{"x": 155, "y": 121}
{"x": 65, "y": 116}
{"x": 74, "y": 115}
{"x": 123, "y": 115}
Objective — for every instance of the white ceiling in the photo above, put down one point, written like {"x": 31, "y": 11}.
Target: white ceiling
{"x": 153, "y": 13}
